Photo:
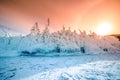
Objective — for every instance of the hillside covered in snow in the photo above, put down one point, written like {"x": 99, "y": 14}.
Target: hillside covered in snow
{"x": 63, "y": 41}
{"x": 62, "y": 55}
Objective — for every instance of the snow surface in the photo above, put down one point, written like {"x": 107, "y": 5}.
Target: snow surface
{"x": 84, "y": 67}
{"x": 103, "y": 70}
{"x": 62, "y": 55}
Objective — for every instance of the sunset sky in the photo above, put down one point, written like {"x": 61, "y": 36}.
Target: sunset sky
{"x": 21, "y": 15}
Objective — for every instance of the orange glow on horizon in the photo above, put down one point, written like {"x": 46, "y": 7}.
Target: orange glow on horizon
{"x": 77, "y": 14}
{"x": 103, "y": 29}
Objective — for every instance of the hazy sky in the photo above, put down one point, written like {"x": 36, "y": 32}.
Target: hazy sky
{"x": 77, "y": 14}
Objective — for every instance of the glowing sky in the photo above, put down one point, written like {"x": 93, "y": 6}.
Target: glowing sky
{"x": 77, "y": 14}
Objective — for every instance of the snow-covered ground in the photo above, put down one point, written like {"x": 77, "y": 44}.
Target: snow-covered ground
{"x": 62, "y": 55}
{"x": 83, "y": 67}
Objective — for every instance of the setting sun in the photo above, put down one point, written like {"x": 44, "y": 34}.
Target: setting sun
{"x": 103, "y": 28}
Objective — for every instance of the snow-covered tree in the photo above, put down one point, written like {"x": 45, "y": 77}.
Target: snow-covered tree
{"x": 35, "y": 30}
{"x": 63, "y": 29}
{"x": 61, "y": 41}
{"x": 46, "y": 34}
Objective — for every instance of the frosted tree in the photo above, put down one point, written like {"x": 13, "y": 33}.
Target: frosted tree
{"x": 8, "y": 35}
{"x": 92, "y": 34}
{"x": 35, "y": 30}
{"x": 82, "y": 39}
{"x": 45, "y": 33}
{"x": 63, "y": 29}
{"x": 68, "y": 34}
